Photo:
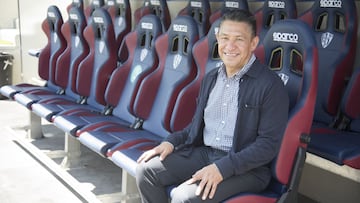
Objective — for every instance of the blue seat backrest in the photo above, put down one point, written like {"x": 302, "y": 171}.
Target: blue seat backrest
{"x": 94, "y": 4}
{"x": 335, "y": 27}
{"x": 55, "y": 46}
{"x": 120, "y": 12}
{"x": 95, "y": 70}
{"x": 159, "y": 91}
{"x": 273, "y": 11}
{"x": 157, "y": 7}
{"x": 228, "y": 4}
{"x": 75, "y": 3}
{"x": 126, "y": 79}
{"x": 210, "y": 44}
{"x": 206, "y": 56}
{"x": 290, "y": 50}
{"x": 200, "y": 10}
{"x": 77, "y": 49}
{"x": 350, "y": 103}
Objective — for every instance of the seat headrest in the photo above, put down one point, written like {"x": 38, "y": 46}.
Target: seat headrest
{"x": 118, "y": 4}
{"x": 289, "y": 49}
{"x": 333, "y": 17}
{"x": 199, "y": 10}
{"x": 332, "y": 6}
{"x": 54, "y": 19}
{"x": 76, "y": 19}
{"x": 76, "y": 3}
{"x": 281, "y": 9}
{"x": 209, "y": 59}
{"x": 97, "y": 3}
{"x": 235, "y": 4}
{"x": 287, "y": 36}
{"x": 182, "y": 32}
{"x": 213, "y": 31}
{"x": 149, "y": 25}
{"x": 101, "y": 20}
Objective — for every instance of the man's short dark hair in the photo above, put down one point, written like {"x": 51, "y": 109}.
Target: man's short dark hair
{"x": 240, "y": 15}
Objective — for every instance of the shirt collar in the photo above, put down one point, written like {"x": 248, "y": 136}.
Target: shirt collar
{"x": 241, "y": 72}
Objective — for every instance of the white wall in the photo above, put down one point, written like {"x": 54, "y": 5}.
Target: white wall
{"x": 32, "y": 13}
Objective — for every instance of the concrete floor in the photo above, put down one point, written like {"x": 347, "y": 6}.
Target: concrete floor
{"x": 31, "y": 172}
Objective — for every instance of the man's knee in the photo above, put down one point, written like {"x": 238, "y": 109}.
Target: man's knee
{"x": 140, "y": 173}
{"x": 182, "y": 195}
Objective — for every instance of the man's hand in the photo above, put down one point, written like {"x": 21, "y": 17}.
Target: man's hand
{"x": 164, "y": 149}
{"x": 209, "y": 178}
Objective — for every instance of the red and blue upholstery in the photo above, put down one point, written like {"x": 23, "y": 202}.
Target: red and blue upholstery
{"x": 156, "y": 7}
{"x": 342, "y": 145}
{"x": 228, "y": 4}
{"x": 289, "y": 48}
{"x": 124, "y": 82}
{"x": 272, "y": 12}
{"x": 200, "y": 10}
{"x": 56, "y": 44}
{"x": 335, "y": 26}
{"x": 120, "y": 12}
{"x": 161, "y": 95}
{"x": 205, "y": 52}
{"x": 94, "y": 4}
{"x": 93, "y": 72}
{"x": 75, "y": 3}
{"x": 67, "y": 63}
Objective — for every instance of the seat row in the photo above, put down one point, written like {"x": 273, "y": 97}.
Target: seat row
{"x": 121, "y": 109}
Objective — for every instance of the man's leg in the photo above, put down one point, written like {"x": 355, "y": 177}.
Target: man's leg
{"x": 154, "y": 176}
{"x": 231, "y": 186}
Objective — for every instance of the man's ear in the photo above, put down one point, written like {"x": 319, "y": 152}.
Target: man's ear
{"x": 254, "y": 42}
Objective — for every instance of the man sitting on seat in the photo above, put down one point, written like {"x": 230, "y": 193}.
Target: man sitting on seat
{"x": 235, "y": 133}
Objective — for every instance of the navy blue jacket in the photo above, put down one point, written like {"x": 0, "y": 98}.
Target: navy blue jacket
{"x": 263, "y": 106}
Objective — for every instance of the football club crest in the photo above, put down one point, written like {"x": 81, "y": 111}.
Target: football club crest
{"x": 135, "y": 73}
{"x": 77, "y": 41}
{"x": 284, "y": 78}
{"x": 177, "y": 60}
{"x": 101, "y": 46}
{"x": 326, "y": 39}
{"x": 143, "y": 54}
{"x": 120, "y": 21}
{"x": 55, "y": 38}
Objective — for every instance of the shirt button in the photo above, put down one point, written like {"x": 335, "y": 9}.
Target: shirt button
{"x": 227, "y": 85}
{"x": 217, "y": 139}
{"x": 223, "y": 122}
{"x": 224, "y": 104}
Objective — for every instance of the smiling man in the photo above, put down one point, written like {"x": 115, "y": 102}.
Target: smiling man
{"x": 235, "y": 133}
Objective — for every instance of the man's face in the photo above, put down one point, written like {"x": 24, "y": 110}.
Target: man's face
{"x": 236, "y": 44}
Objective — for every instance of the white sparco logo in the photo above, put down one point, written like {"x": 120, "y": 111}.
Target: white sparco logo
{"x": 98, "y": 20}
{"x": 51, "y": 14}
{"x": 73, "y": 16}
{"x": 276, "y": 4}
{"x": 148, "y": 26}
{"x": 231, "y": 4}
{"x": 330, "y": 3}
{"x": 155, "y": 2}
{"x": 285, "y": 37}
{"x": 180, "y": 28}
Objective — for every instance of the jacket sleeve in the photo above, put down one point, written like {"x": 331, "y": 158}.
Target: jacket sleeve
{"x": 266, "y": 138}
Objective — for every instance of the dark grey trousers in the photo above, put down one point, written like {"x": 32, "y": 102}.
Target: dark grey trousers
{"x": 154, "y": 177}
